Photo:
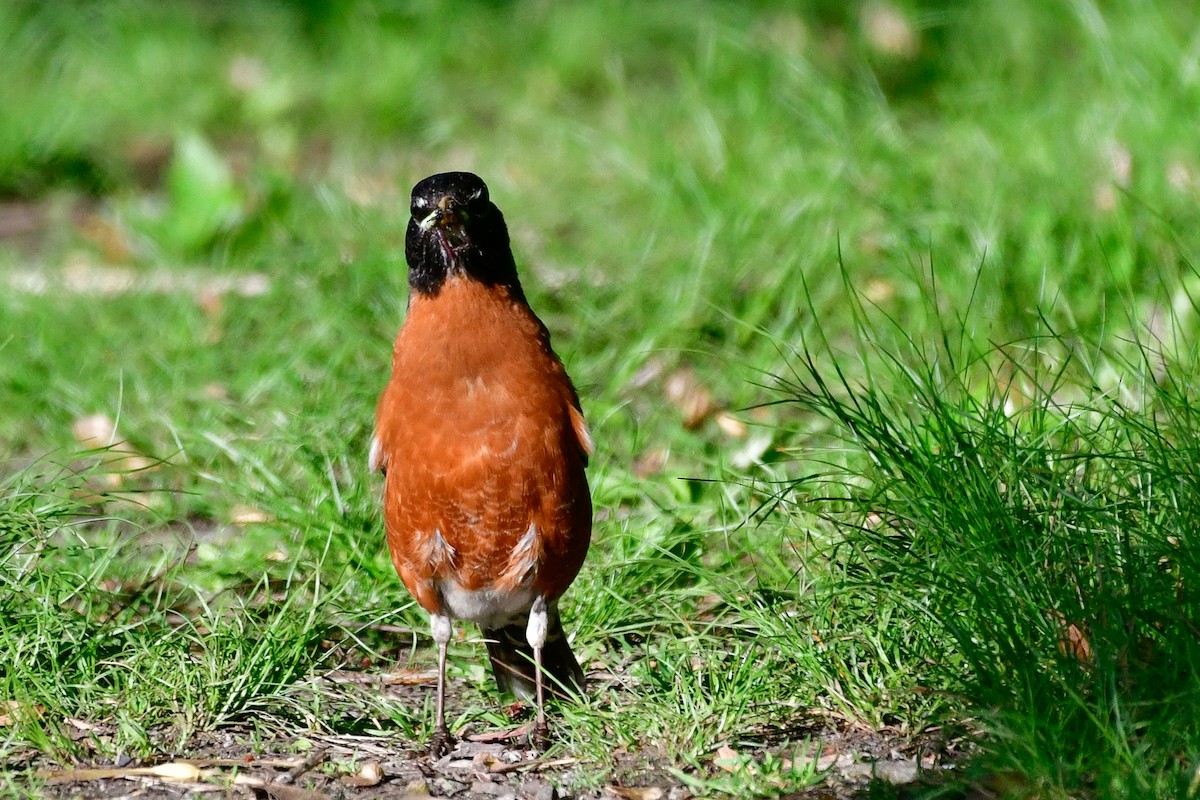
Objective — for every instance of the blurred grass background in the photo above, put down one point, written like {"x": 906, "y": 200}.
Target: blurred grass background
{"x": 202, "y": 210}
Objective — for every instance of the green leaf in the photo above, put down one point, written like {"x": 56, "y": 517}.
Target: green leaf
{"x": 204, "y": 198}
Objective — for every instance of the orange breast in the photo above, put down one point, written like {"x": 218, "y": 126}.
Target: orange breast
{"x": 485, "y": 449}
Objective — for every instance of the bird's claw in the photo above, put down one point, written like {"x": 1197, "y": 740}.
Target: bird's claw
{"x": 539, "y": 736}
{"x": 439, "y": 743}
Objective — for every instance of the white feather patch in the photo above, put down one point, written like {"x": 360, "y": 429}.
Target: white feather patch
{"x": 376, "y": 460}
{"x": 441, "y": 627}
{"x": 539, "y": 623}
{"x": 489, "y": 608}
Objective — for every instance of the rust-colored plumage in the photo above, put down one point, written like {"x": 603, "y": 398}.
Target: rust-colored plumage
{"x": 483, "y": 444}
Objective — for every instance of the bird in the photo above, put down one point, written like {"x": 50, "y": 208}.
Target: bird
{"x": 483, "y": 445}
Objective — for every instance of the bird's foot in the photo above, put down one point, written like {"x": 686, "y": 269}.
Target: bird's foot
{"x": 440, "y": 743}
{"x": 539, "y": 736}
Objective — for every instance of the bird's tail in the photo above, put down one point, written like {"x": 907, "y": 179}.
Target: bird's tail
{"x": 512, "y": 661}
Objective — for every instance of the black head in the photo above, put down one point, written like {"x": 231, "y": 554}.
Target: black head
{"x": 456, "y": 229}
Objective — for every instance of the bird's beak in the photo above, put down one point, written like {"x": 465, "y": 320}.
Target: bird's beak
{"x": 444, "y": 214}
{"x": 430, "y": 220}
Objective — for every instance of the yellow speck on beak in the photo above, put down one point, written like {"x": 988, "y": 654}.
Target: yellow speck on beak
{"x": 443, "y": 211}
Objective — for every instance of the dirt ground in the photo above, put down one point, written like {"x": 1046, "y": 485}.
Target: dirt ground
{"x": 357, "y": 768}
{"x": 486, "y": 764}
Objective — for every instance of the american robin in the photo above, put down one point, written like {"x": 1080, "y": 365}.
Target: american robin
{"x": 483, "y": 444}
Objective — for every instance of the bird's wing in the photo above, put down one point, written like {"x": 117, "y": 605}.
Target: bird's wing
{"x": 487, "y": 492}
{"x": 580, "y": 426}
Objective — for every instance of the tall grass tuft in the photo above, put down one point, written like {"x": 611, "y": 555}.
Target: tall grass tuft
{"x": 1040, "y": 526}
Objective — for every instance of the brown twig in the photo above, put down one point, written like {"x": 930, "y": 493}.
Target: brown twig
{"x": 317, "y": 756}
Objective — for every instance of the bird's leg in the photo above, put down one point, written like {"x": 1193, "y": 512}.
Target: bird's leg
{"x": 535, "y": 633}
{"x": 440, "y": 741}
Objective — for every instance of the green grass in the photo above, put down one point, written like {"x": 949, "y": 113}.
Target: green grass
{"x": 945, "y": 280}
{"x": 1039, "y": 533}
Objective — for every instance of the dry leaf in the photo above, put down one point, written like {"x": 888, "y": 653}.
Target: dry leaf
{"x": 246, "y": 73}
{"x": 411, "y": 677}
{"x": 95, "y": 431}
{"x": 416, "y": 788}
{"x": 84, "y": 725}
{"x": 210, "y": 303}
{"x": 879, "y": 290}
{"x": 216, "y": 391}
{"x": 785, "y": 31}
{"x": 53, "y": 776}
{"x": 1072, "y": 641}
{"x": 1120, "y": 163}
{"x": 650, "y": 463}
{"x": 179, "y": 771}
{"x": 502, "y": 735}
{"x": 888, "y": 31}
{"x": 369, "y": 774}
{"x": 727, "y": 758}
{"x": 485, "y": 761}
{"x": 1120, "y": 175}
{"x": 731, "y": 425}
{"x": 1180, "y": 177}
{"x": 14, "y": 711}
{"x": 537, "y": 765}
{"x": 174, "y": 771}
{"x": 753, "y": 450}
{"x": 646, "y": 374}
{"x": 692, "y": 399}
{"x": 636, "y": 793}
{"x": 99, "y": 432}
{"x": 249, "y": 515}
{"x": 108, "y": 236}
{"x": 1104, "y": 199}
{"x": 1075, "y": 643}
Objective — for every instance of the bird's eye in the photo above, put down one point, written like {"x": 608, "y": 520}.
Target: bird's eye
{"x": 419, "y": 208}
{"x": 478, "y": 198}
